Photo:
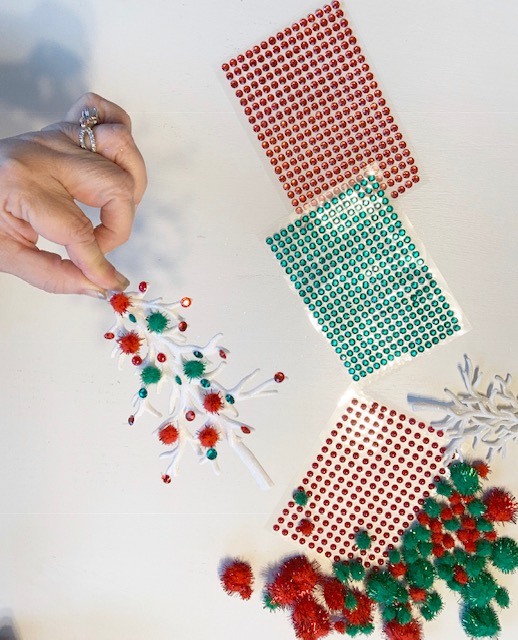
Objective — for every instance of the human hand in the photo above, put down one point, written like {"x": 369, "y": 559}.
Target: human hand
{"x": 43, "y": 173}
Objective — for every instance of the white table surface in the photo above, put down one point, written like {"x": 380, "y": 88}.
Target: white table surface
{"x": 92, "y": 544}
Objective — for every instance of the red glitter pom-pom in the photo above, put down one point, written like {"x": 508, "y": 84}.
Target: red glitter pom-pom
{"x": 339, "y": 626}
{"x": 362, "y": 613}
{"x": 120, "y": 302}
{"x": 129, "y": 342}
{"x": 305, "y": 527}
{"x": 208, "y": 436}
{"x": 501, "y": 506}
{"x": 417, "y": 594}
{"x": 334, "y": 594}
{"x": 397, "y": 570}
{"x": 397, "y": 631}
{"x": 213, "y": 402}
{"x": 460, "y": 575}
{"x": 237, "y": 577}
{"x": 296, "y": 577}
{"x": 482, "y": 468}
{"x": 310, "y": 620}
{"x": 168, "y": 434}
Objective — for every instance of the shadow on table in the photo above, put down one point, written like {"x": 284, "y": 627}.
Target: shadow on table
{"x": 7, "y": 630}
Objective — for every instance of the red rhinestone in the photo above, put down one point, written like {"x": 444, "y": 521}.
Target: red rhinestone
{"x": 166, "y": 479}
{"x": 109, "y": 335}
{"x": 222, "y": 354}
{"x": 190, "y": 415}
{"x": 131, "y": 420}
{"x": 246, "y": 429}
{"x": 186, "y": 302}
{"x": 136, "y": 360}
{"x": 182, "y": 325}
{"x": 161, "y": 357}
{"x": 279, "y": 376}
{"x": 142, "y": 287}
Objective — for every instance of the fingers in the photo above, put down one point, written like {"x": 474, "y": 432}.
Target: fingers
{"x": 107, "y": 111}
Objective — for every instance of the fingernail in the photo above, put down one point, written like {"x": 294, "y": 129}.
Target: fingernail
{"x": 122, "y": 280}
{"x": 95, "y": 293}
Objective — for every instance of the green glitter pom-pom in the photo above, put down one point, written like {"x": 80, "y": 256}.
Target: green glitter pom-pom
{"x": 480, "y": 622}
{"x": 389, "y": 613}
{"x": 354, "y": 630}
{"x": 451, "y": 525}
{"x": 476, "y": 508}
{"x": 382, "y": 587}
{"x": 422, "y": 533}
{"x": 432, "y": 507}
{"x": 363, "y": 540}
{"x": 157, "y": 322}
{"x": 425, "y": 549}
{"x": 357, "y": 570}
{"x": 421, "y": 574}
{"x": 268, "y": 603}
{"x": 350, "y": 601}
{"x": 150, "y": 374}
{"x": 194, "y": 369}
{"x": 394, "y": 556}
{"x": 484, "y": 525}
{"x": 502, "y": 597}
{"x": 341, "y": 571}
{"x": 465, "y": 478}
{"x": 403, "y": 615}
{"x": 301, "y": 498}
{"x": 474, "y": 565}
{"x": 505, "y": 554}
{"x": 483, "y": 548}
{"x": 444, "y": 488}
{"x": 433, "y": 603}
{"x": 481, "y": 590}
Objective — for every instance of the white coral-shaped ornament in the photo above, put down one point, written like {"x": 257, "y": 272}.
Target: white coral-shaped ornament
{"x": 201, "y": 412}
{"x": 486, "y": 420}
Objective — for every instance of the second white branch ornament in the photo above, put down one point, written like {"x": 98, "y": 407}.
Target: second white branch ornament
{"x": 201, "y": 412}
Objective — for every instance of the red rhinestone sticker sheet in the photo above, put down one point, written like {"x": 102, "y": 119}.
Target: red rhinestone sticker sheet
{"x": 372, "y": 474}
{"x": 317, "y": 110}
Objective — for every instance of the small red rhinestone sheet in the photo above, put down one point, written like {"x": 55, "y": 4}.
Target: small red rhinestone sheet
{"x": 317, "y": 110}
{"x": 373, "y": 473}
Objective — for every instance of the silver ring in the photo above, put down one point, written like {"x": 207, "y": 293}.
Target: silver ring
{"x": 87, "y": 121}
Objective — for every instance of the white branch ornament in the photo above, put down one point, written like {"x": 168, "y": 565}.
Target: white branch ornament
{"x": 201, "y": 412}
{"x": 486, "y": 420}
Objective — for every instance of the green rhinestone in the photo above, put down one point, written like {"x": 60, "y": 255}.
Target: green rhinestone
{"x": 143, "y": 393}
{"x": 229, "y": 398}
{"x": 132, "y": 318}
{"x": 178, "y": 380}
{"x": 212, "y": 454}
{"x": 205, "y": 383}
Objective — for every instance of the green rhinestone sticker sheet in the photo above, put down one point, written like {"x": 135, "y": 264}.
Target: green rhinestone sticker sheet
{"x": 365, "y": 281}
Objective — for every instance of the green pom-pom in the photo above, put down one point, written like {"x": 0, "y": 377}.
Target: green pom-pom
{"x": 448, "y": 559}
{"x": 484, "y": 525}
{"x": 157, "y": 322}
{"x": 505, "y": 554}
{"x": 420, "y": 574}
{"x": 403, "y": 615}
{"x": 422, "y": 534}
{"x": 427, "y": 613}
{"x": 474, "y": 565}
{"x": 460, "y": 556}
{"x": 465, "y": 478}
{"x": 382, "y": 587}
{"x": 357, "y": 629}
{"x": 341, "y": 571}
{"x": 451, "y": 525}
{"x": 480, "y": 622}
{"x": 410, "y": 555}
{"x": 483, "y": 548}
{"x": 454, "y": 585}
{"x": 194, "y": 369}
{"x": 350, "y": 601}
{"x": 476, "y": 508}
{"x": 301, "y": 498}
{"x": 432, "y": 507}
{"x": 445, "y": 572}
{"x": 433, "y": 604}
{"x": 150, "y": 374}
{"x": 425, "y": 549}
{"x": 502, "y": 597}
{"x": 410, "y": 539}
{"x": 481, "y": 590}
{"x": 394, "y": 556}
{"x": 363, "y": 540}
{"x": 389, "y": 613}
{"x": 444, "y": 488}
{"x": 357, "y": 570}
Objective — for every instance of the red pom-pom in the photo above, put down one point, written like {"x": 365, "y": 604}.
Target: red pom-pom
{"x": 310, "y": 620}
{"x": 423, "y": 518}
{"x": 120, "y": 302}
{"x": 168, "y": 434}
{"x": 397, "y": 570}
{"x": 213, "y": 402}
{"x": 208, "y": 436}
{"x": 397, "y": 631}
{"x": 455, "y": 498}
{"x": 435, "y": 525}
{"x": 501, "y": 505}
{"x": 339, "y": 626}
{"x": 446, "y": 514}
{"x": 129, "y": 342}
{"x": 448, "y": 541}
{"x": 468, "y": 537}
{"x": 295, "y": 578}
{"x": 438, "y": 550}
{"x": 417, "y": 594}
{"x": 305, "y": 527}
{"x": 491, "y": 536}
{"x": 437, "y": 538}
{"x": 458, "y": 509}
{"x": 460, "y": 575}
{"x": 334, "y": 594}
{"x": 362, "y": 612}
{"x": 237, "y": 577}
{"x": 468, "y": 523}
{"x": 482, "y": 468}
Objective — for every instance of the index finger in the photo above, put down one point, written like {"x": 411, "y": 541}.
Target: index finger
{"x": 108, "y": 112}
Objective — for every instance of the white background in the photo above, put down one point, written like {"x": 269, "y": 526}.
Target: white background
{"x": 92, "y": 544}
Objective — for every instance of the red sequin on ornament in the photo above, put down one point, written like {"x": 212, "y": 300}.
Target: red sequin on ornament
{"x": 190, "y": 415}
{"x": 109, "y": 335}
{"x": 161, "y": 357}
{"x": 136, "y": 360}
{"x": 182, "y": 325}
{"x": 186, "y": 302}
{"x": 166, "y": 479}
{"x": 131, "y": 420}
{"x": 222, "y": 354}
{"x": 246, "y": 429}
{"x": 279, "y": 376}
{"x": 142, "y": 287}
